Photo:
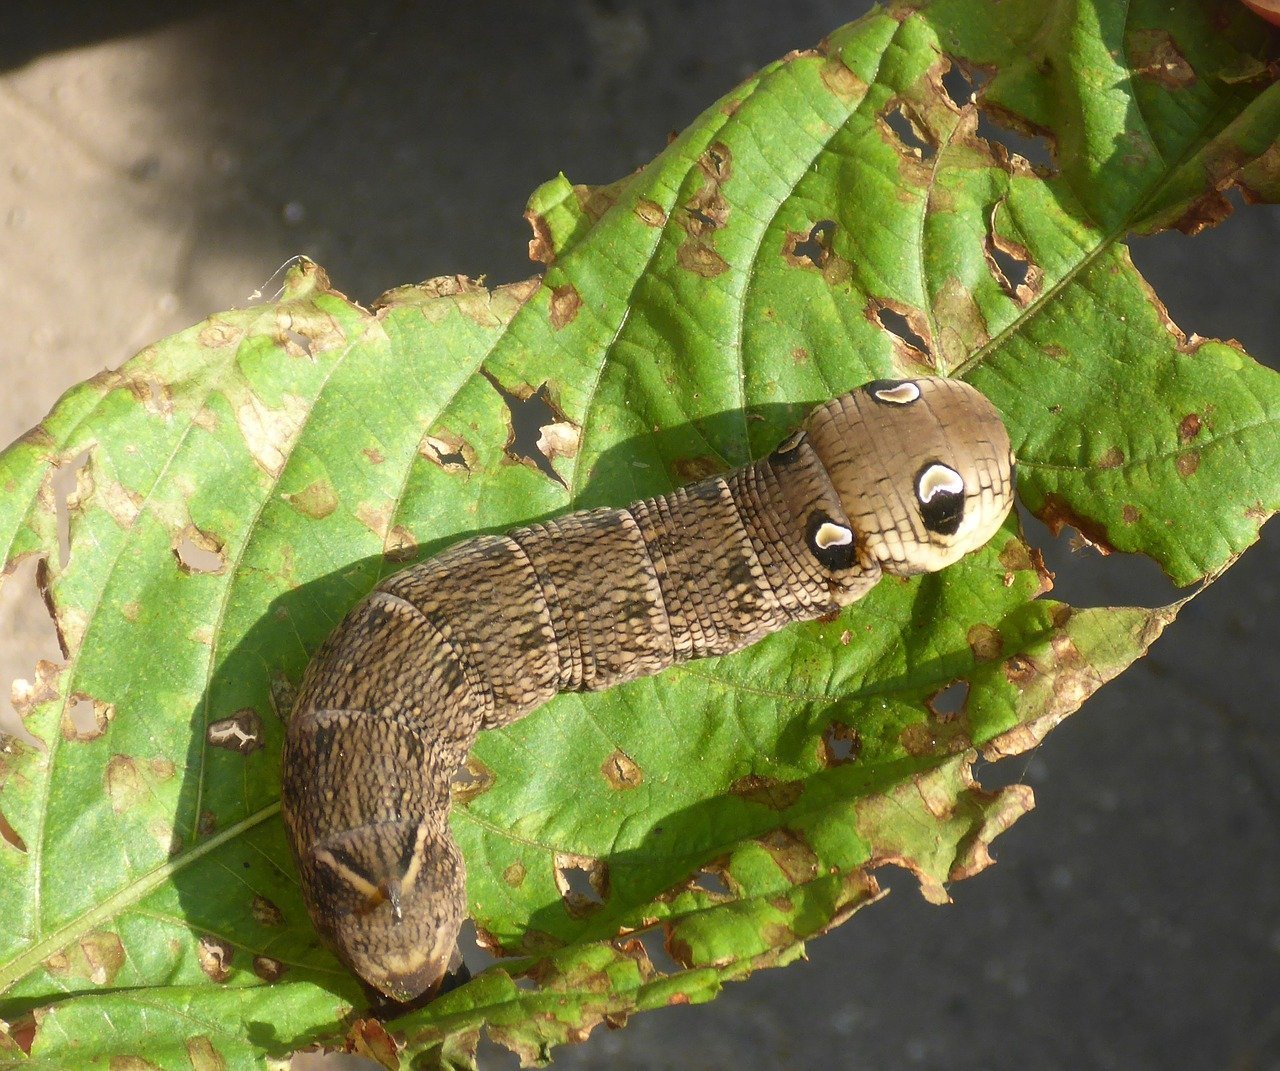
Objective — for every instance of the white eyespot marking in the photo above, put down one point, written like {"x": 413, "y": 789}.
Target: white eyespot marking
{"x": 832, "y": 535}
{"x": 902, "y": 394}
{"x": 938, "y": 479}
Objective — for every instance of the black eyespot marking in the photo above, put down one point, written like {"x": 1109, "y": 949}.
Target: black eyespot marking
{"x": 832, "y": 543}
{"x": 788, "y": 451}
{"x": 940, "y": 492}
{"x": 893, "y": 391}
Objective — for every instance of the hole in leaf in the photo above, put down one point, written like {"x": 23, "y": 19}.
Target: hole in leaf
{"x": 1016, "y": 138}
{"x": 583, "y": 883}
{"x": 713, "y": 879}
{"x": 297, "y": 338}
{"x": 490, "y": 1055}
{"x": 949, "y": 701}
{"x": 841, "y": 744}
{"x": 896, "y": 321}
{"x": 86, "y": 718}
{"x": 241, "y": 732}
{"x": 450, "y": 456}
{"x": 654, "y": 942}
{"x": 1082, "y": 578}
{"x": 475, "y": 956}
{"x": 958, "y": 84}
{"x": 909, "y": 131}
{"x": 198, "y": 552}
{"x": 817, "y": 246}
{"x": 1011, "y": 272}
{"x": 64, "y": 481}
{"x": 31, "y": 639}
{"x": 1010, "y": 264}
{"x": 470, "y": 780}
{"x": 530, "y": 414}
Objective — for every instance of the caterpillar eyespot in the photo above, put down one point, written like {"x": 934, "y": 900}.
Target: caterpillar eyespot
{"x": 899, "y": 476}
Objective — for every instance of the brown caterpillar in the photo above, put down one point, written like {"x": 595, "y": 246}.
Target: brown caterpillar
{"x": 899, "y": 476}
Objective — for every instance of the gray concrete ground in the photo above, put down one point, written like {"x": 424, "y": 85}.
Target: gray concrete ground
{"x": 161, "y": 160}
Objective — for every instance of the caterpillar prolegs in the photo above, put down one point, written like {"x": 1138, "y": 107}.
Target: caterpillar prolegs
{"x": 900, "y": 477}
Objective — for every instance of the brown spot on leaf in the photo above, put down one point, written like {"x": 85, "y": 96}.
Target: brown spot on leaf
{"x": 1190, "y": 427}
{"x": 373, "y": 455}
{"x": 621, "y": 771}
{"x": 705, "y": 211}
{"x": 214, "y": 955}
{"x": 124, "y": 782}
{"x": 203, "y": 1056}
{"x": 1188, "y": 463}
{"x": 696, "y": 256}
{"x": 542, "y": 246}
{"x": 650, "y": 213}
{"x": 1058, "y": 514}
{"x": 1204, "y": 212}
{"x": 583, "y": 883}
{"x": 1154, "y": 56}
{"x": 207, "y": 823}
{"x": 515, "y": 874}
{"x": 565, "y": 303}
{"x": 791, "y": 854}
{"x": 400, "y": 545}
{"x": 559, "y": 439}
{"x": 840, "y": 80}
{"x": 716, "y": 162}
{"x": 1112, "y": 459}
{"x": 369, "y": 1038}
{"x": 840, "y": 744}
{"x": 265, "y": 912}
{"x": 121, "y": 1062}
{"x": 268, "y": 969}
{"x": 1020, "y": 670}
{"x": 1130, "y": 514}
{"x": 216, "y": 334}
{"x": 241, "y": 732}
{"x": 767, "y": 791}
{"x": 985, "y": 642}
{"x": 692, "y": 469}
{"x": 917, "y": 739}
{"x": 317, "y": 500}
{"x": 377, "y": 518}
{"x": 470, "y": 780}
{"x": 96, "y": 957}
{"x": 973, "y": 855}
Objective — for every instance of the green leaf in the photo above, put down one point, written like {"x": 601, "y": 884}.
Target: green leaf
{"x": 835, "y": 218}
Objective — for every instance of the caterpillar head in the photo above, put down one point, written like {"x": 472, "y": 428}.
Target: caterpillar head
{"x": 922, "y": 467}
{"x": 386, "y": 894}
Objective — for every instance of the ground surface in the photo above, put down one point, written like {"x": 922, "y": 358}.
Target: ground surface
{"x": 161, "y": 160}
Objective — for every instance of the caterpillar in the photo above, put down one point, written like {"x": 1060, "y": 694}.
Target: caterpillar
{"x": 898, "y": 476}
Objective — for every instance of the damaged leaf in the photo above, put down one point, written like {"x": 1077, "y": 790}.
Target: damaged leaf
{"x": 837, "y": 217}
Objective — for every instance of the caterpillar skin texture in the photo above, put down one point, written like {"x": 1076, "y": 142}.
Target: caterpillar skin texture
{"x": 899, "y": 476}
